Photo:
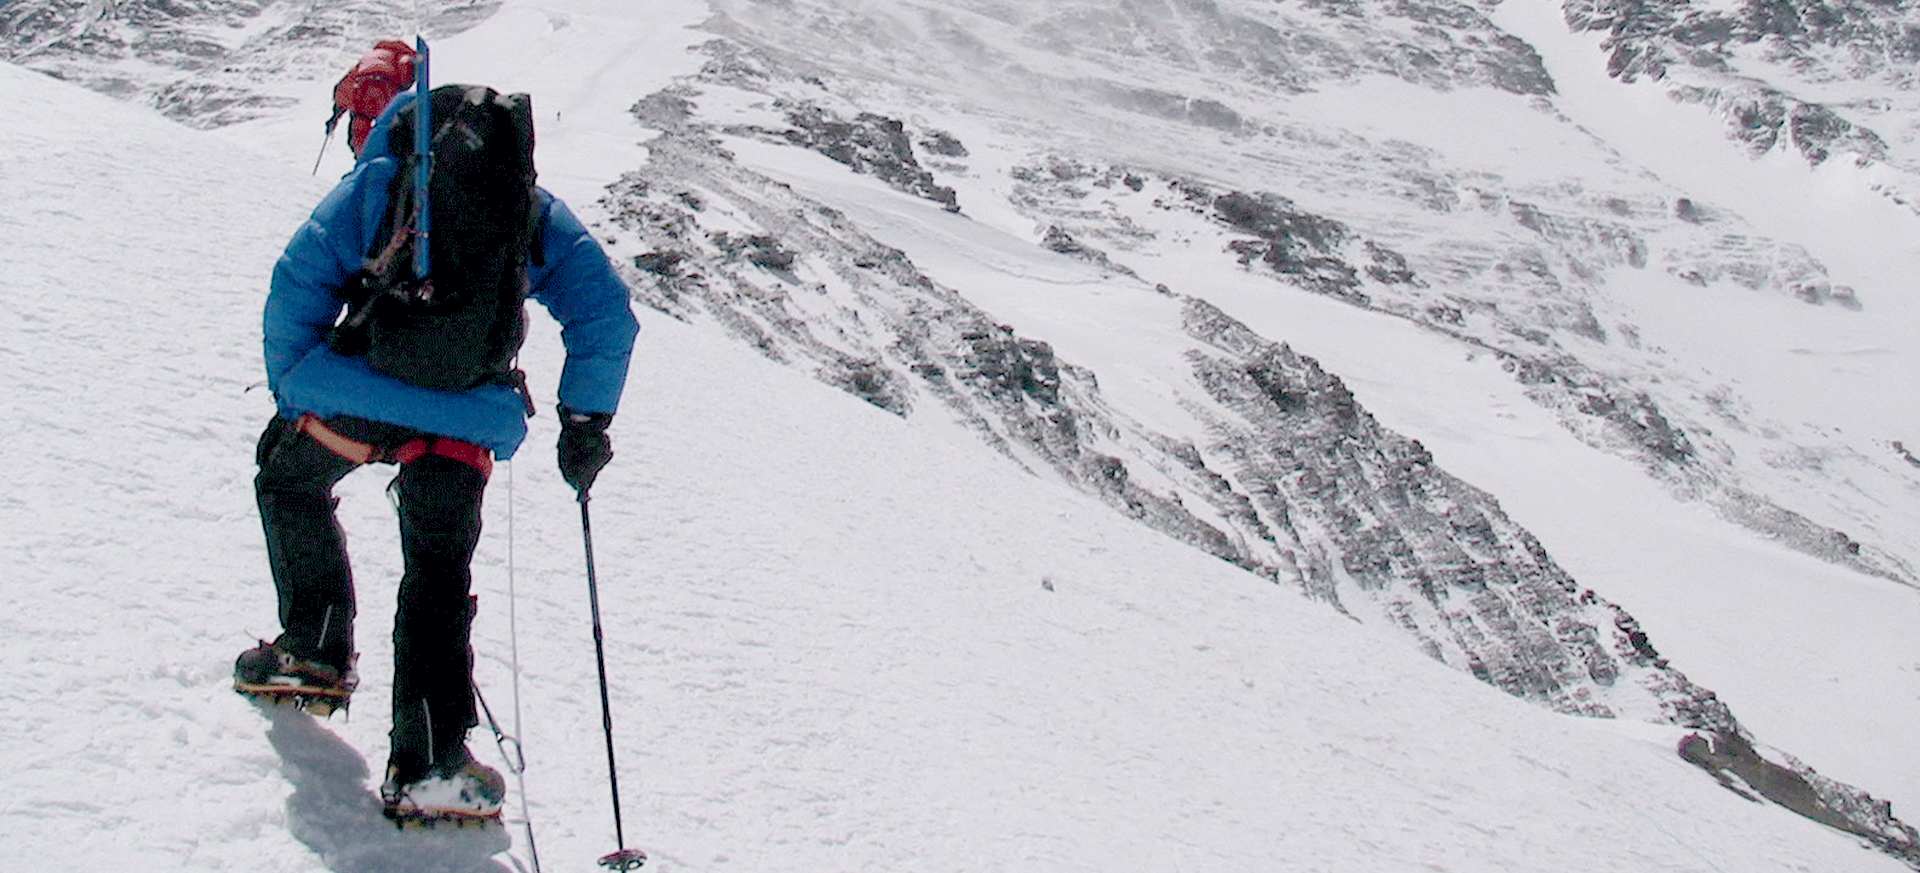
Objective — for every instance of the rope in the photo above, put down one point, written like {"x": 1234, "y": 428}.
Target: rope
{"x": 516, "y": 757}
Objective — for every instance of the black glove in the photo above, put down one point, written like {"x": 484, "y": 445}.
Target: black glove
{"x": 584, "y": 446}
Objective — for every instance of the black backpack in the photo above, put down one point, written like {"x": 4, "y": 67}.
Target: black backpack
{"x": 461, "y": 327}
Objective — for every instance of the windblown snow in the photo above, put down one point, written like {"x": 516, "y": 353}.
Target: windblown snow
{"x": 838, "y": 639}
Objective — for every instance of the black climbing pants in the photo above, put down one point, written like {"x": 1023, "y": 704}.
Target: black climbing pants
{"x": 439, "y": 501}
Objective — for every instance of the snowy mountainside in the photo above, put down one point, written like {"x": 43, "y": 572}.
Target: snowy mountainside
{"x": 788, "y": 697}
{"x": 211, "y": 62}
{"x": 1258, "y": 456}
{"x": 1267, "y": 462}
{"x": 1514, "y": 262}
{"x": 1820, "y": 80}
{"x": 1092, "y": 236}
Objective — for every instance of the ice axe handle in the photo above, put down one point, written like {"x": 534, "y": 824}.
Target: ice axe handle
{"x": 423, "y": 155}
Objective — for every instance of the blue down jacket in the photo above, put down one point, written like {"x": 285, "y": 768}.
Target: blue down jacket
{"x": 576, "y": 284}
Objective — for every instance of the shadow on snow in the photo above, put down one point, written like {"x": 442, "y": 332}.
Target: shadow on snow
{"x": 334, "y": 814}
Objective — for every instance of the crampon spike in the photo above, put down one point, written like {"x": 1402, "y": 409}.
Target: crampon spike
{"x": 317, "y": 705}
{"x": 322, "y": 707}
{"x": 625, "y": 859}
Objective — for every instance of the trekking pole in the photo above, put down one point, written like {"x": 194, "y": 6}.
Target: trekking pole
{"x": 624, "y": 858}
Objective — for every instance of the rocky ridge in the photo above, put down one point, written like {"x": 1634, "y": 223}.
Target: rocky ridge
{"x": 1516, "y": 267}
{"x": 1780, "y": 73}
{"x": 1289, "y": 477}
{"x": 1292, "y": 479}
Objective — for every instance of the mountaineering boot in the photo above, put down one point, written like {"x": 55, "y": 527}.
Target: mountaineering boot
{"x": 458, "y": 790}
{"x": 270, "y": 672}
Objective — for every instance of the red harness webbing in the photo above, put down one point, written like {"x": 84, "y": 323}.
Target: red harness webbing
{"x": 477, "y": 457}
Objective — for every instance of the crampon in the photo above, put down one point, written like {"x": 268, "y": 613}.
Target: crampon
{"x": 433, "y": 818}
{"x": 321, "y": 702}
{"x": 270, "y": 674}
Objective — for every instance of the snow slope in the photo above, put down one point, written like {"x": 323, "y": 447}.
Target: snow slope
{"x": 1818, "y": 660}
{"x": 840, "y": 640}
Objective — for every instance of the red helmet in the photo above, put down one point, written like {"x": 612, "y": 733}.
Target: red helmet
{"x": 369, "y": 86}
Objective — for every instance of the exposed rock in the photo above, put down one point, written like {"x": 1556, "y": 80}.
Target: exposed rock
{"x": 1296, "y": 482}
{"x": 1437, "y": 42}
{"x": 869, "y": 144}
{"x": 1738, "y": 765}
{"x": 1296, "y": 244}
{"x": 1701, "y": 49}
{"x": 1414, "y": 546}
{"x": 1058, "y": 240}
{"x": 757, "y": 249}
{"x": 1528, "y": 304}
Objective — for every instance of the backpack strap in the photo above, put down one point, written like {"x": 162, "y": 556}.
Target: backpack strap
{"x": 519, "y": 109}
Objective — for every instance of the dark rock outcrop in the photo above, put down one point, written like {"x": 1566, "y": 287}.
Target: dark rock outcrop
{"x": 1699, "y": 50}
